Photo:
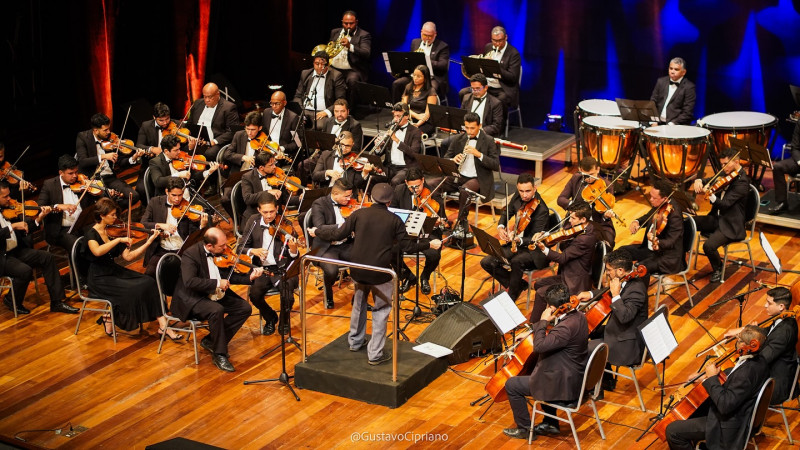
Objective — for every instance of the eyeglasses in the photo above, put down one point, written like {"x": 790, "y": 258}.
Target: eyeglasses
{"x": 275, "y": 103}
{"x": 498, "y": 41}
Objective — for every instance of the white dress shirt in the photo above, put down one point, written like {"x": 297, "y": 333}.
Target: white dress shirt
{"x": 11, "y": 242}
{"x": 497, "y": 56}
{"x": 672, "y": 88}
{"x": 397, "y": 157}
{"x": 205, "y": 119}
{"x": 69, "y": 198}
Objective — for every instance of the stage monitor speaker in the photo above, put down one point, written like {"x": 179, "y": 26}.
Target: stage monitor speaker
{"x": 464, "y": 328}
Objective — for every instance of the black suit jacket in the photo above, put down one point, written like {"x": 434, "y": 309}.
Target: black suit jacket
{"x": 322, "y": 213}
{"x": 148, "y": 137}
{"x": 288, "y": 125}
{"x": 410, "y": 145}
{"x": 563, "y": 354}
{"x": 234, "y": 152}
{"x": 510, "y": 67}
{"x": 225, "y": 118}
{"x": 670, "y": 254}
{"x": 52, "y": 194}
{"x": 680, "y": 109}
{"x": 732, "y": 403}
{"x": 160, "y": 172}
{"x": 484, "y": 167}
{"x": 256, "y": 240}
{"x": 24, "y": 240}
{"x": 625, "y": 346}
{"x": 334, "y": 88}
{"x": 796, "y": 142}
{"x": 571, "y": 194}
{"x": 492, "y": 120}
{"x": 195, "y": 284}
{"x": 251, "y": 187}
{"x": 440, "y": 60}
{"x": 575, "y": 262}
{"x": 780, "y": 354}
{"x": 538, "y": 220}
{"x": 730, "y": 209}
{"x": 156, "y": 212}
{"x": 351, "y": 125}
{"x": 86, "y": 153}
{"x": 325, "y": 162}
{"x": 403, "y": 199}
{"x": 362, "y": 48}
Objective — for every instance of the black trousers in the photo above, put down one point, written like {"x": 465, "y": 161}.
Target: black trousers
{"x": 152, "y": 263}
{"x": 63, "y": 239}
{"x": 259, "y": 289}
{"x": 684, "y": 434}
{"x": 224, "y": 316}
{"x": 780, "y": 169}
{"x": 330, "y": 272}
{"x": 521, "y": 261}
{"x": 19, "y": 265}
{"x": 517, "y": 389}
{"x": 715, "y": 240}
{"x": 432, "y": 258}
{"x": 452, "y": 184}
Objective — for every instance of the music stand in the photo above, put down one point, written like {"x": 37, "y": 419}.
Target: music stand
{"x": 795, "y": 90}
{"x": 660, "y": 341}
{"x": 403, "y": 63}
{"x": 446, "y": 117}
{"x": 85, "y": 218}
{"x": 197, "y": 131}
{"x": 642, "y": 111}
{"x": 375, "y": 160}
{"x": 486, "y": 66}
{"x": 374, "y": 96}
{"x": 491, "y": 246}
{"x": 756, "y": 155}
{"x": 310, "y": 196}
{"x": 320, "y": 140}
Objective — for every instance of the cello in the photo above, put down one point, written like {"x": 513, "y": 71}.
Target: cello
{"x": 597, "y": 313}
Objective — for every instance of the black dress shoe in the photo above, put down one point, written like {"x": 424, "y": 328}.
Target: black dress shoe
{"x": 608, "y": 384}
{"x": 328, "y": 304}
{"x": 425, "y": 286}
{"x": 381, "y": 360}
{"x": 222, "y": 363}
{"x": 779, "y": 208}
{"x": 518, "y": 433}
{"x": 20, "y": 309}
{"x": 269, "y": 328}
{"x": 716, "y": 276}
{"x": 206, "y": 344}
{"x": 547, "y": 428}
{"x": 63, "y": 308}
{"x": 407, "y": 284}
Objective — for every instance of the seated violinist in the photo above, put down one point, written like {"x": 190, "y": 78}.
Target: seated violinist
{"x": 241, "y": 153}
{"x": 662, "y": 250}
{"x": 274, "y": 248}
{"x": 12, "y": 175}
{"x": 327, "y": 211}
{"x": 56, "y": 192}
{"x": 150, "y": 134}
{"x": 19, "y": 258}
{"x": 558, "y": 374}
{"x": 588, "y": 174}
{"x": 628, "y": 306}
{"x": 410, "y": 196}
{"x": 575, "y": 259}
{"x": 778, "y": 350}
{"x": 732, "y": 402}
{"x": 726, "y": 221}
{"x": 341, "y": 121}
{"x": 530, "y": 214}
{"x": 95, "y": 150}
{"x": 281, "y": 126}
{"x": 166, "y": 213}
{"x": 173, "y": 163}
{"x": 257, "y": 181}
{"x": 337, "y": 164}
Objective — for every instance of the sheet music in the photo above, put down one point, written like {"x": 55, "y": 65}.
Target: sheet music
{"x": 386, "y": 62}
{"x": 659, "y": 338}
{"x": 431, "y": 349}
{"x": 504, "y": 313}
{"x": 773, "y": 258}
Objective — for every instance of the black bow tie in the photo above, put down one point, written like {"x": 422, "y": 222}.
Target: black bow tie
{"x": 479, "y": 100}
{"x": 319, "y": 76}
{"x": 402, "y": 128}
{"x": 674, "y": 83}
{"x": 340, "y": 124}
{"x": 209, "y": 255}
{"x": 275, "y": 116}
{"x": 64, "y": 186}
{"x": 261, "y": 177}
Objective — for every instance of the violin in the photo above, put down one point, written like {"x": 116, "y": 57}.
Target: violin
{"x": 279, "y": 178}
{"x": 520, "y": 361}
{"x": 15, "y": 209}
{"x": 597, "y": 313}
{"x": 596, "y": 194}
{"x": 124, "y": 146}
{"x": 352, "y": 206}
{"x": 720, "y": 183}
{"x": 198, "y": 162}
{"x": 120, "y": 229}
{"x": 13, "y": 175}
{"x": 182, "y": 133}
{"x": 184, "y": 209}
{"x": 660, "y": 221}
{"x": 559, "y": 236}
{"x": 262, "y": 143}
{"x": 227, "y": 260}
{"x": 96, "y": 187}
{"x": 286, "y": 229}
{"x": 522, "y": 220}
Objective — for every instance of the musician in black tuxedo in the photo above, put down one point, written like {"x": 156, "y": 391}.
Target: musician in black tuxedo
{"x": 327, "y": 211}
{"x": 437, "y": 57}
{"x": 726, "y": 221}
{"x": 162, "y": 169}
{"x": 400, "y": 147}
{"x": 407, "y": 196}
{"x": 18, "y": 258}
{"x": 788, "y": 166}
{"x": 218, "y": 116}
{"x": 732, "y": 402}
{"x": 274, "y": 251}
{"x": 280, "y": 124}
{"x": 353, "y": 60}
{"x": 57, "y": 194}
{"x": 255, "y": 182}
{"x": 240, "y": 154}
{"x": 158, "y": 214}
{"x": 558, "y": 375}
{"x": 318, "y": 88}
{"x": 340, "y": 122}
{"x": 90, "y": 153}
{"x": 588, "y": 172}
{"x": 478, "y": 157}
{"x": 150, "y": 134}
{"x": 524, "y": 258}
{"x": 379, "y": 234}
{"x": 486, "y": 106}
{"x": 507, "y": 87}
{"x": 779, "y": 349}
{"x": 674, "y": 95}
{"x": 628, "y": 311}
{"x": 332, "y": 167}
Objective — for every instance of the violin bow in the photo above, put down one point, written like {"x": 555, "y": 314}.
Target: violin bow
{"x": 238, "y": 254}
{"x": 277, "y": 230}
{"x": 655, "y": 209}
{"x": 130, "y": 204}
{"x": 121, "y": 133}
{"x": 14, "y": 166}
{"x": 719, "y": 173}
{"x": 196, "y": 193}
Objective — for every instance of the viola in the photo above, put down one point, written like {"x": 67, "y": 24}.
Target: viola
{"x": 353, "y": 205}
{"x": 95, "y": 187}
{"x": 13, "y": 175}
{"x": 227, "y": 260}
{"x": 120, "y": 229}
{"x": 279, "y": 178}
{"x": 596, "y": 194}
{"x": 198, "y": 162}
{"x": 262, "y": 143}
{"x": 15, "y": 209}
{"x": 191, "y": 212}
{"x": 720, "y": 184}
{"x": 124, "y": 146}
{"x": 559, "y": 236}
{"x": 182, "y": 133}
{"x": 597, "y": 313}
{"x": 660, "y": 219}
{"x": 522, "y": 220}
{"x": 286, "y": 229}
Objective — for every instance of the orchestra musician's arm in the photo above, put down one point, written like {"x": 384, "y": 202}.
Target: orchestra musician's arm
{"x": 627, "y": 309}
{"x": 566, "y": 196}
{"x": 491, "y": 157}
{"x": 358, "y": 137}
{"x": 303, "y": 86}
{"x": 777, "y": 343}
{"x": 231, "y": 122}
{"x": 687, "y": 108}
{"x": 796, "y": 143}
{"x": 335, "y": 232}
{"x": 737, "y": 192}
{"x": 558, "y": 337}
{"x": 416, "y": 142}
{"x": 233, "y": 154}
{"x": 538, "y": 223}
{"x": 317, "y": 214}
{"x": 364, "y": 47}
{"x": 86, "y": 161}
{"x": 320, "y": 174}
{"x": 190, "y": 274}
{"x": 579, "y": 248}
{"x": 730, "y": 396}
{"x": 147, "y": 220}
{"x": 441, "y": 64}
{"x": 510, "y": 74}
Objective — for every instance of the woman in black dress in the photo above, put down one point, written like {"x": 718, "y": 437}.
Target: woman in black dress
{"x": 419, "y": 94}
{"x": 134, "y": 295}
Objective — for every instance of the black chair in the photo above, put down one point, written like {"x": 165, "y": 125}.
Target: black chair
{"x": 238, "y": 207}
{"x": 76, "y": 261}
{"x": 168, "y": 271}
{"x": 689, "y": 236}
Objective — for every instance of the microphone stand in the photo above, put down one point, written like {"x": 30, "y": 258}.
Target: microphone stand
{"x": 742, "y": 299}
{"x": 462, "y": 243}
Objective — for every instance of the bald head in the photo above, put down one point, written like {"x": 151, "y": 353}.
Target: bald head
{"x": 277, "y": 102}
{"x": 211, "y": 95}
{"x": 215, "y": 241}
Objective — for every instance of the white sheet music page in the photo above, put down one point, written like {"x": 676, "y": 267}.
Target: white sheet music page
{"x": 504, "y": 312}
{"x": 659, "y": 338}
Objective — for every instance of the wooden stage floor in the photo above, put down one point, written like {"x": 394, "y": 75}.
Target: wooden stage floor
{"x": 128, "y": 396}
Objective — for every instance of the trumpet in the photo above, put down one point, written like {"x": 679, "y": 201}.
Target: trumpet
{"x": 332, "y": 48}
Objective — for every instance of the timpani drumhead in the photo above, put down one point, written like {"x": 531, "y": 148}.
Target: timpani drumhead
{"x": 610, "y": 123}
{"x": 676, "y": 132}
{"x": 737, "y": 119}
{"x": 600, "y": 107}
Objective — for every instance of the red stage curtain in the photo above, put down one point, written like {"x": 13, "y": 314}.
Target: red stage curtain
{"x": 197, "y": 52}
{"x": 101, "y": 15}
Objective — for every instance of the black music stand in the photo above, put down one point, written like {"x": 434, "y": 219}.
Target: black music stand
{"x": 427, "y": 228}
{"x": 197, "y": 131}
{"x": 795, "y": 90}
{"x": 320, "y": 140}
{"x": 447, "y": 117}
{"x": 403, "y": 63}
{"x": 486, "y": 66}
{"x": 756, "y": 155}
{"x": 642, "y": 111}
{"x": 660, "y": 341}
{"x": 491, "y": 246}
{"x": 192, "y": 239}
{"x": 375, "y": 160}
{"x": 374, "y": 96}
{"x": 310, "y": 196}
